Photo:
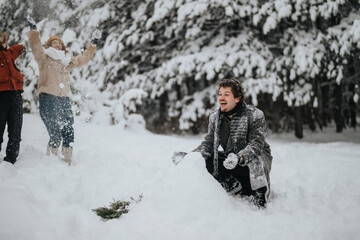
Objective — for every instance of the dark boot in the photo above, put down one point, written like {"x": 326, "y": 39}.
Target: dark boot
{"x": 10, "y": 160}
{"x": 12, "y": 152}
{"x": 258, "y": 198}
{"x": 231, "y": 185}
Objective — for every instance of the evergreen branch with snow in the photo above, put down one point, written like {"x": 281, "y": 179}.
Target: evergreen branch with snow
{"x": 292, "y": 56}
{"x": 115, "y": 209}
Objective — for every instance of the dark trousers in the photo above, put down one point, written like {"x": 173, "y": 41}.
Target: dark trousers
{"x": 11, "y": 113}
{"x": 58, "y": 118}
{"x": 229, "y": 178}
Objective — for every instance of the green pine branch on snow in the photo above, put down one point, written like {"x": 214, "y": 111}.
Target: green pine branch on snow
{"x": 115, "y": 209}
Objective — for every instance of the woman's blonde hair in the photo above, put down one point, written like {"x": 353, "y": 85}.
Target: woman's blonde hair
{"x": 48, "y": 42}
{"x": 3, "y": 40}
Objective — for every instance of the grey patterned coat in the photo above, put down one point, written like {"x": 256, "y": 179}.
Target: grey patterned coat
{"x": 247, "y": 137}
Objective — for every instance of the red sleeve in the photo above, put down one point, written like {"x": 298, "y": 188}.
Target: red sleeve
{"x": 16, "y": 51}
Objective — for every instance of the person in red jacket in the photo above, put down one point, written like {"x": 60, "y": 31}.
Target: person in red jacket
{"x": 11, "y": 88}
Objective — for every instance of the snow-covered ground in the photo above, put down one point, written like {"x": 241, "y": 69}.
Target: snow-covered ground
{"x": 315, "y": 189}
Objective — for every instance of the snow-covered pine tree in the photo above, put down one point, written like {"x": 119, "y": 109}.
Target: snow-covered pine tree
{"x": 296, "y": 58}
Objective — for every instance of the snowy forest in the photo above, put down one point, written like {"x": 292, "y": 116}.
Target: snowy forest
{"x": 159, "y": 61}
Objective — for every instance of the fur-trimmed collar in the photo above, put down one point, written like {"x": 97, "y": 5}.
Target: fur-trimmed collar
{"x": 58, "y": 55}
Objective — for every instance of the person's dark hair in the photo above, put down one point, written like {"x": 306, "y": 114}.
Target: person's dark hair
{"x": 236, "y": 87}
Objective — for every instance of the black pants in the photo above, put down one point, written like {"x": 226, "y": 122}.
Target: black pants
{"x": 227, "y": 178}
{"x": 11, "y": 113}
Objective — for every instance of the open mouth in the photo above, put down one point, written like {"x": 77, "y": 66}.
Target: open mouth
{"x": 223, "y": 104}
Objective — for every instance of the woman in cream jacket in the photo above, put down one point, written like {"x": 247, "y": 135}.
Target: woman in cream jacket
{"x": 53, "y": 87}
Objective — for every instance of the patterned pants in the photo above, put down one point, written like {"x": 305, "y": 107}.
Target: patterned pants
{"x": 58, "y": 118}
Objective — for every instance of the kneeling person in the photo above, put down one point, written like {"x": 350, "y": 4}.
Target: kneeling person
{"x": 234, "y": 149}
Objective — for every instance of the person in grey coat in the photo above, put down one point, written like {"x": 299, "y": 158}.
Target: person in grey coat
{"x": 234, "y": 148}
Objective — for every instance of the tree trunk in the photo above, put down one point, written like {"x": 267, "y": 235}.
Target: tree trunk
{"x": 352, "y": 106}
{"x": 310, "y": 116}
{"x": 298, "y": 122}
{"x": 319, "y": 111}
{"x": 339, "y": 119}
